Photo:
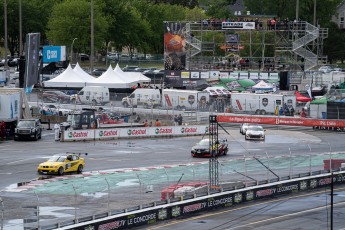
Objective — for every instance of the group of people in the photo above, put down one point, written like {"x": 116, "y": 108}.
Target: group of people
{"x": 147, "y": 124}
{"x": 178, "y": 120}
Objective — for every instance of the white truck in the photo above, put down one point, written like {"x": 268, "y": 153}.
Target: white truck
{"x": 92, "y": 95}
{"x": 13, "y": 105}
{"x": 185, "y": 99}
{"x": 148, "y": 98}
{"x": 262, "y": 103}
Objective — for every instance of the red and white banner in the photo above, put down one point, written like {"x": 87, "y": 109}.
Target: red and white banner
{"x": 293, "y": 121}
{"x": 163, "y": 131}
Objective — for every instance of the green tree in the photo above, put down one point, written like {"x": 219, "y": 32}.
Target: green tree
{"x": 35, "y": 15}
{"x": 287, "y": 9}
{"x": 333, "y": 46}
{"x": 71, "y": 19}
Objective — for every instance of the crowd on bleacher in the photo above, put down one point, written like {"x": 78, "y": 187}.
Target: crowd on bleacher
{"x": 274, "y": 23}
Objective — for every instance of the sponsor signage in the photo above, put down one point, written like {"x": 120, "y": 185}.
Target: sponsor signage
{"x": 79, "y": 134}
{"x": 172, "y": 74}
{"x": 107, "y": 133}
{"x": 238, "y": 25}
{"x": 282, "y": 121}
{"x": 214, "y": 201}
{"x": 54, "y": 54}
{"x": 164, "y": 131}
{"x": 137, "y": 132}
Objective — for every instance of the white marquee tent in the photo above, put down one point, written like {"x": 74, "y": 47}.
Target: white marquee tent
{"x": 262, "y": 87}
{"x": 111, "y": 80}
{"x": 132, "y": 76}
{"x": 68, "y": 79}
{"x": 87, "y": 77}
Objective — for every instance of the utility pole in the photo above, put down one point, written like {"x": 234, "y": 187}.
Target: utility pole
{"x": 314, "y": 21}
{"x": 297, "y": 10}
{"x": 92, "y": 38}
{"x": 20, "y": 30}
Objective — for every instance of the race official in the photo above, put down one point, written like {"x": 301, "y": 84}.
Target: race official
{"x": 57, "y": 131}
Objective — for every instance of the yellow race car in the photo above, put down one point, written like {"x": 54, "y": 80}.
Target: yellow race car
{"x": 62, "y": 163}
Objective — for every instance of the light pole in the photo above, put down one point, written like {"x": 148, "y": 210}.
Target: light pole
{"x": 72, "y": 49}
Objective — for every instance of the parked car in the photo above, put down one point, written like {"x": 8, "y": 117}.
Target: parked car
{"x": 84, "y": 57}
{"x": 325, "y": 69}
{"x": 54, "y": 96}
{"x": 59, "y": 111}
{"x": 28, "y": 129}
{"x": 130, "y": 68}
{"x": 202, "y": 148}
{"x": 255, "y": 132}
{"x": 62, "y": 163}
{"x": 98, "y": 72}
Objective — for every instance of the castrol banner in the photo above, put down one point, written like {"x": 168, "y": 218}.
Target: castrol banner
{"x": 71, "y": 135}
{"x": 134, "y": 132}
{"x": 293, "y": 121}
{"x": 107, "y": 133}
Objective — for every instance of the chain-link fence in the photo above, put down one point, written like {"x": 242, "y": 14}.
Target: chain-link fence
{"x": 58, "y": 201}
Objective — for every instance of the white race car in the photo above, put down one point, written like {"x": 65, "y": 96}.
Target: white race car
{"x": 255, "y": 132}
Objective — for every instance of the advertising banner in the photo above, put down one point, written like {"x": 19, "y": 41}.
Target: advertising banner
{"x": 107, "y": 133}
{"x": 134, "y": 132}
{"x": 238, "y": 25}
{"x": 79, "y": 135}
{"x": 282, "y": 121}
{"x": 54, "y": 54}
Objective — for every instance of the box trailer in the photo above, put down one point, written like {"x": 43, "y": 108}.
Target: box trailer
{"x": 262, "y": 103}
{"x": 185, "y": 99}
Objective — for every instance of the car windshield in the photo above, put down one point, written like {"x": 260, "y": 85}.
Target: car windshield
{"x": 57, "y": 159}
{"x": 255, "y": 128}
{"x": 204, "y": 142}
{"x": 26, "y": 124}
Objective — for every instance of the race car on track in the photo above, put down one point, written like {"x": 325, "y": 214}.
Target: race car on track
{"x": 202, "y": 148}
{"x": 255, "y": 132}
{"x": 62, "y": 163}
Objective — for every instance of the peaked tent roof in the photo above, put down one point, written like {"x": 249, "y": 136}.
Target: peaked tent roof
{"x": 132, "y": 76}
{"x": 262, "y": 86}
{"x": 110, "y": 79}
{"x": 87, "y": 77}
{"x": 67, "y": 78}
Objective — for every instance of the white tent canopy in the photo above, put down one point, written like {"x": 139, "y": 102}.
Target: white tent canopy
{"x": 132, "y": 76}
{"x": 87, "y": 77}
{"x": 68, "y": 78}
{"x": 262, "y": 87}
{"x": 111, "y": 80}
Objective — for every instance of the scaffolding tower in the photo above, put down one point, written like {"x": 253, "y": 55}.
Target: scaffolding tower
{"x": 298, "y": 46}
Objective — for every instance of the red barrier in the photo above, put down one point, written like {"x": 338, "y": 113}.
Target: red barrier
{"x": 282, "y": 121}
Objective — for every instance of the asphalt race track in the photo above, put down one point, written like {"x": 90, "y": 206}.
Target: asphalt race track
{"x": 134, "y": 171}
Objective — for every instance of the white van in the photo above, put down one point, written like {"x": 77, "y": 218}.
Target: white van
{"x": 148, "y": 98}
{"x": 93, "y": 95}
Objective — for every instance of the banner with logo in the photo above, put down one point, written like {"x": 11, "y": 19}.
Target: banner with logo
{"x": 282, "y": 121}
{"x": 238, "y": 25}
{"x": 163, "y": 131}
{"x": 107, "y": 133}
{"x": 72, "y": 135}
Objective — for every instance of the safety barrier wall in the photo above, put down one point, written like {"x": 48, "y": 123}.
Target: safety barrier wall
{"x": 282, "y": 121}
{"x": 133, "y": 132}
{"x": 167, "y": 211}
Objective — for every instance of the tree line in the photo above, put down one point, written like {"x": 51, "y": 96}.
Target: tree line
{"x": 138, "y": 24}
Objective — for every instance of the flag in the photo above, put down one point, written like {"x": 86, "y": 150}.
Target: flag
{"x": 28, "y": 89}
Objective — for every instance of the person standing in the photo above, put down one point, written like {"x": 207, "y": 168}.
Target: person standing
{"x": 176, "y": 120}
{"x": 146, "y": 124}
{"x": 179, "y": 119}
{"x": 57, "y": 131}
{"x": 158, "y": 123}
